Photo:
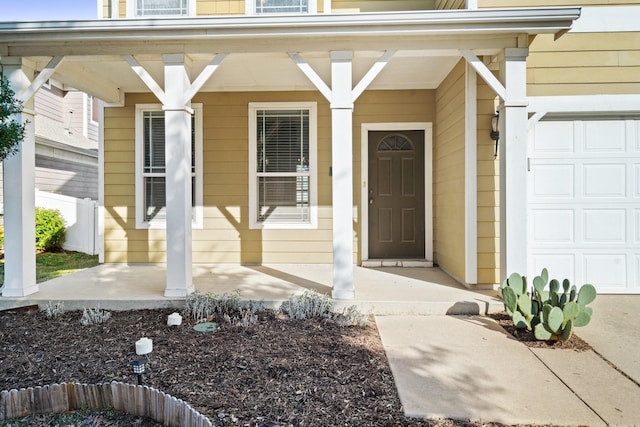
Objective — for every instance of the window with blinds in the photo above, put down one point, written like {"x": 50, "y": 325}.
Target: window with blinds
{"x": 281, "y": 6}
{"x": 153, "y": 171}
{"x": 283, "y": 165}
{"x": 162, "y": 7}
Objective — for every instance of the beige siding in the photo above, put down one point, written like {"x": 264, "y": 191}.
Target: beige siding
{"x": 220, "y": 7}
{"x": 226, "y": 236}
{"x": 381, "y": 5}
{"x": 584, "y": 64}
{"x": 581, "y": 63}
{"x": 106, "y": 8}
{"x": 449, "y": 173}
{"x": 488, "y": 191}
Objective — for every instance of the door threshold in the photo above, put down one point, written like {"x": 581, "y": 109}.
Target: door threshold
{"x": 408, "y": 263}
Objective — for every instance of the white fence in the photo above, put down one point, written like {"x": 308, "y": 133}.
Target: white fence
{"x": 81, "y": 219}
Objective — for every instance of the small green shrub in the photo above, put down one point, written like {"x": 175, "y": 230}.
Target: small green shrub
{"x": 94, "y": 316}
{"x": 50, "y": 230}
{"x": 53, "y": 310}
{"x": 311, "y": 304}
{"x": 1, "y": 237}
{"x": 308, "y": 305}
{"x": 227, "y": 307}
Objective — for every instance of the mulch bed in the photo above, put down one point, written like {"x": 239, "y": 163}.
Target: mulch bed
{"x": 276, "y": 372}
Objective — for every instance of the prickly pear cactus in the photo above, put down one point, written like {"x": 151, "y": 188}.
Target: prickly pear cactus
{"x": 517, "y": 302}
{"x": 551, "y": 314}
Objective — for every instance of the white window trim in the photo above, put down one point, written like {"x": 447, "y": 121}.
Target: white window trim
{"x": 139, "y": 184}
{"x": 313, "y": 164}
{"x": 249, "y": 9}
{"x": 131, "y": 11}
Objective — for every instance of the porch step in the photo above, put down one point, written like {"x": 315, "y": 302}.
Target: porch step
{"x": 380, "y": 291}
{"x": 379, "y": 308}
{"x": 407, "y": 263}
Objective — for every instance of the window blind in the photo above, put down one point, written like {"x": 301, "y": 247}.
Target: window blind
{"x": 161, "y": 7}
{"x": 283, "y": 165}
{"x": 282, "y": 6}
{"x": 154, "y": 171}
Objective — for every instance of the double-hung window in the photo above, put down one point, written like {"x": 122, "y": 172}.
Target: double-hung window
{"x": 283, "y": 165}
{"x": 161, "y": 8}
{"x": 151, "y": 201}
{"x": 265, "y": 7}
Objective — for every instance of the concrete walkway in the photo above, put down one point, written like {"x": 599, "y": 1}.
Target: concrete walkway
{"x": 468, "y": 367}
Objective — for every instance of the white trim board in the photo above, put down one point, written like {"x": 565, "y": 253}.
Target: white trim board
{"x": 582, "y": 104}
{"x": 428, "y": 181}
{"x": 607, "y": 19}
{"x": 470, "y": 177}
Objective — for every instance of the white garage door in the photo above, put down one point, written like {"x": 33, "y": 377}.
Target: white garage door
{"x": 584, "y": 202}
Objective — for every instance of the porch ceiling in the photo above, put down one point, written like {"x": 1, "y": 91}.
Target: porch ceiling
{"x": 426, "y": 43}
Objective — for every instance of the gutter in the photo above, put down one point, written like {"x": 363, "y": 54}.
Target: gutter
{"x": 520, "y": 20}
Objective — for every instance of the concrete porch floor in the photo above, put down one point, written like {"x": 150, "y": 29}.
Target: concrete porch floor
{"x": 381, "y": 291}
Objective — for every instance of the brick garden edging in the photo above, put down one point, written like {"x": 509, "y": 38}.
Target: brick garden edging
{"x": 133, "y": 399}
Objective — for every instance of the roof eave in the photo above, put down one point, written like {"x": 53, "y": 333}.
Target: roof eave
{"x": 517, "y": 20}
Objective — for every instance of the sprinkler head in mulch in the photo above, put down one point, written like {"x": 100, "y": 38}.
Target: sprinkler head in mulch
{"x": 206, "y": 327}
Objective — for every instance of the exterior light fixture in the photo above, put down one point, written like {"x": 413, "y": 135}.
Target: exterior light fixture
{"x": 495, "y": 132}
{"x": 138, "y": 367}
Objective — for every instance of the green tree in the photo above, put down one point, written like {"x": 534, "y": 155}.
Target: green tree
{"x": 11, "y": 131}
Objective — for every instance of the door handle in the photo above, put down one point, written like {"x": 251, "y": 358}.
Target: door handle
{"x": 371, "y": 196}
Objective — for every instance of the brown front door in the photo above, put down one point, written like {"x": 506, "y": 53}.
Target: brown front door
{"x": 396, "y": 194}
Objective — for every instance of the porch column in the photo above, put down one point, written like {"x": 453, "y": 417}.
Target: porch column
{"x": 513, "y": 163}
{"x": 342, "y": 174}
{"x": 19, "y": 193}
{"x": 177, "y": 116}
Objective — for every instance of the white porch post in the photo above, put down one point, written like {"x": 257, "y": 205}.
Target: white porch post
{"x": 513, "y": 163}
{"x": 177, "y": 115}
{"x": 19, "y": 193}
{"x": 342, "y": 174}
{"x": 342, "y": 97}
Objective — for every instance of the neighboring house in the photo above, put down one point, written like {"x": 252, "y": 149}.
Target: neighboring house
{"x": 352, "y": 132}
{"x": 66, "y": 143}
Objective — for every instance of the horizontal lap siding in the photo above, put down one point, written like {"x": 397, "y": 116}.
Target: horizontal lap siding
{"x": 584, "y": 64}
{"x": 449, "y": 173}
{"x": 119, "y": 188}
{"x": 66, "y": 177}
{"x": 226, "y": 236}
{"x": 220, "y": 7}
{"x": 488, "y": 191}
{"x": 581, "y": 63}
{"x": 381, "y": 5}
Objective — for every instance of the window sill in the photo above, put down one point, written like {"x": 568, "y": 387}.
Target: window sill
{"x": 283, "y": 226}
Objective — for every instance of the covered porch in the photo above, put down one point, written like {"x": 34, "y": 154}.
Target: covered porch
{"x": 337, "y": 58}
{"x": 381, "y": 291}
